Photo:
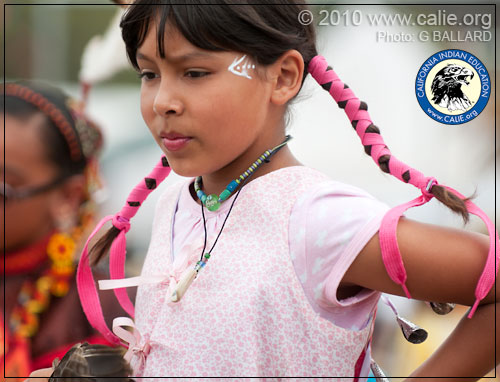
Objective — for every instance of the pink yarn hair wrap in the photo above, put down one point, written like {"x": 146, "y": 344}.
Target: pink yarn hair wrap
{"x": 357, "y": 112}
{"x": 85, "y": 281}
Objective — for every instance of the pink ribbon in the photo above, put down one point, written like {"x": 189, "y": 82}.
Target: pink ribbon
{"x": 184, "y": 262}
{"x": 117, "y": 255}
{"x": 89, "y": 297}
{"x": 389, "y": 243}
{"x": 387, "y": 301}
{"x": 487, "y": 278}
{"x": 171, "y": 280}
{"x": 136, "y": 345}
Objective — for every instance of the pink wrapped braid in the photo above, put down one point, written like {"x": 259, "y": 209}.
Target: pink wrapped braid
{"x": 357, "y": 112}
{"x": 121, "y": 222}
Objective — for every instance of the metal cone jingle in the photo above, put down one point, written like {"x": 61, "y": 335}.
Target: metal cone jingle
{"x": 378, "y": 372}
{"x": 442, "y": 308}
{"x": 413, "y": 333}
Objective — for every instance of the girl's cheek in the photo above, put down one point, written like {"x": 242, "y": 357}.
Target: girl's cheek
{"x": 147, "y": 104}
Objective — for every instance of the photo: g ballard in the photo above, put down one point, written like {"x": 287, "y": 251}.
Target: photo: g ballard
{"x": 454, "y": 36}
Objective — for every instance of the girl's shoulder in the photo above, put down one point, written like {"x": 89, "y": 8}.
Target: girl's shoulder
{"x": 336, "y": 217}
{"x": 314, "y": 184}
{"x": 331, "y": 194}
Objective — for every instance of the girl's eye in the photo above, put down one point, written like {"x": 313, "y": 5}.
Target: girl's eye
{"x": 196, "y": 74}
{"x": 147, "y": 76}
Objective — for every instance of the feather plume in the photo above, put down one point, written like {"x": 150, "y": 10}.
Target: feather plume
{"x": 104, "y": 55}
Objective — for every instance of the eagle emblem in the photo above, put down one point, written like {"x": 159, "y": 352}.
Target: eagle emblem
{"x": 447, "y": 87}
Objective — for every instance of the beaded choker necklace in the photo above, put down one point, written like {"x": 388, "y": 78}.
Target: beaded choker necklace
{"x": 213, "y": 205}
{"x": 213, "y": 202}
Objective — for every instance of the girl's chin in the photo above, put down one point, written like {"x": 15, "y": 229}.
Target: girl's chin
{"x": 182, "y": 167}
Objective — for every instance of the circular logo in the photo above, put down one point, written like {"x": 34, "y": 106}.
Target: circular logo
{"x": 453, "y": 87}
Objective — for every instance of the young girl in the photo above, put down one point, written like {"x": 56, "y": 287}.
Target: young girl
{"x": 260, "y": 266}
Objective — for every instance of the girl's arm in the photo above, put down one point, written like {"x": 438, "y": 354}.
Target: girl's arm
{"x": 443, "y": 265}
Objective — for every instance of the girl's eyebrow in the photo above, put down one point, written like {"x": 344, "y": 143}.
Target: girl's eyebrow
{"x": 140, "y": 56}
{"x": 178, "y": 59}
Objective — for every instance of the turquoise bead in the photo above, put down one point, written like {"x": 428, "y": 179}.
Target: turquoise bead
{"x": 232, "y": 186}
{"x": 224, "y": 195}
{"x": 203, "y": 199}
{"x": 199, "y": 193}
{"x": 212, "y": 202}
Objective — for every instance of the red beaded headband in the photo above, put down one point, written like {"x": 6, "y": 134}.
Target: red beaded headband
{"x": 53, "y": 112}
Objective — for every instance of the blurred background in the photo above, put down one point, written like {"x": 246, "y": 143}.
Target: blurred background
{"x": 46, "y": 42}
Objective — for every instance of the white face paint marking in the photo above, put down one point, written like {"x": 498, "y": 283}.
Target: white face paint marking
{"x": 241, "y": 70}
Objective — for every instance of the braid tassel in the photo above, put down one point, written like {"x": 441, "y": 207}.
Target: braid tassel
{"x": 121, "y": 221}
{"x": 357, "y": 112}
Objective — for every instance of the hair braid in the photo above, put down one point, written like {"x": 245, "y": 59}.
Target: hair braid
{"x": 115, "y": 241}
{"x": 374, "y": 145}
{"x": 134, "y": 201}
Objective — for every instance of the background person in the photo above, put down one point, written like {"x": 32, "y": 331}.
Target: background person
{"x": 50, "y": 176}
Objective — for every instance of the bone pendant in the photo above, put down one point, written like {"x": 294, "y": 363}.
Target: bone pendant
{"x": 186, "y": 279}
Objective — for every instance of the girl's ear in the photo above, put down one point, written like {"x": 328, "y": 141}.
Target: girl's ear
{"x": 65, "y": 202}
{"x": 286, "y": 73}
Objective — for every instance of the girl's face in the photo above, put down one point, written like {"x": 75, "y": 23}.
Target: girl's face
{"x": 25, "y": 167}
{"x": 192, "y": 92}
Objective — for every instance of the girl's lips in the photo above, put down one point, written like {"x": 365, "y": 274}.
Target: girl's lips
{"x": 175, "y": 144}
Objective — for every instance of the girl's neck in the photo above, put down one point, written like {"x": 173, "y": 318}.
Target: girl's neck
{"x": 216, "y": 183}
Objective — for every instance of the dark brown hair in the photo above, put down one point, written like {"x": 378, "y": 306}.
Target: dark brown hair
{"x": 264, "y": 31}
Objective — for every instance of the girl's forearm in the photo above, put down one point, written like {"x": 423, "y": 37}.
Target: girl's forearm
{"x": 468, "y": 353}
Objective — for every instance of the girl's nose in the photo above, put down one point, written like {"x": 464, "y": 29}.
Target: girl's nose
{"x": 166, "y": 103}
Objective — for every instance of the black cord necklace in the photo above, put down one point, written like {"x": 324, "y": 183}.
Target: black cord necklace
{"x": 188, "y": 277}
{"x": 223, "y": 224}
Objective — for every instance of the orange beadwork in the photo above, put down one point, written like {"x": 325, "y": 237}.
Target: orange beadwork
{"x": 34, "y": 297}
{"x": 60, "y": 249}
